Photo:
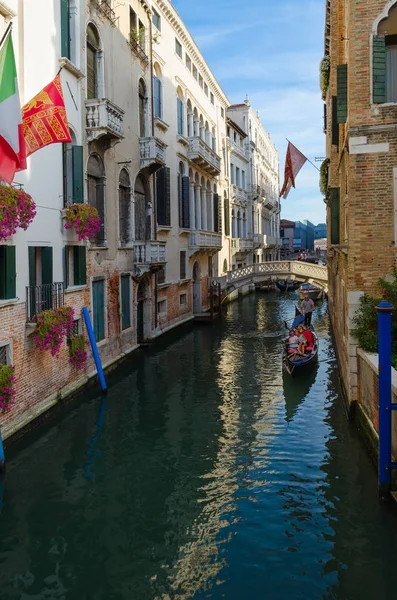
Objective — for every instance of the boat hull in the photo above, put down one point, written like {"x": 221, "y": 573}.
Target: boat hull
{"x": 295, "y": 365}
{"x": 287, "y": 286}
{"x": 313, "y": 293}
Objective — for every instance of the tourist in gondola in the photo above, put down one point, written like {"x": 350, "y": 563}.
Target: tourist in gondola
{"x": 293, "y": 341}
{"x": 307, "y": 308}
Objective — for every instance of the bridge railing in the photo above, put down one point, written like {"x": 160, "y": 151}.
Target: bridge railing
{"x": 278, "y": 267}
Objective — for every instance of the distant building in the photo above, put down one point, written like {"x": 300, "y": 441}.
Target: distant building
{"x": 320, "y": 245}
{"x": 287, "y": 232}
{"x": 320, "y": 231}
{"x": 297, "y": 235}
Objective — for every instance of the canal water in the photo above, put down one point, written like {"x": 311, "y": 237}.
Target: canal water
{"x": 207, "y": 474}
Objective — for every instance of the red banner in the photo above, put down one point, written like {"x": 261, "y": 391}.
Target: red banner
{"x": 44, "y": 118}
{"x": 294, "y": 161}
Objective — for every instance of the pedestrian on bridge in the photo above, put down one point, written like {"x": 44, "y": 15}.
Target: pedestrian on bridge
{"x": 307, "y": 308}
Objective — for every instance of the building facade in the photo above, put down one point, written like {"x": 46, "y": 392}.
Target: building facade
{"x": 360, "y": 94}
{"x": 186, "y": 187}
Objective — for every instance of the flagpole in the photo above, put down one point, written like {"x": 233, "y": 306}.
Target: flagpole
{"x": 308, "y": 159}
{"x": 7, "y": 31}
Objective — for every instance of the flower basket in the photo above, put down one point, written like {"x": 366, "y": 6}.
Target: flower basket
{"x": 325, "y": 69}
{"x": 52, "y": 326}
{"x": 7, "y": 387}
{"x": 324, "y": 177}
{"x": 78, "y": 355}
{"x": 84, "y": 218}
{"x": 17, "y": 209}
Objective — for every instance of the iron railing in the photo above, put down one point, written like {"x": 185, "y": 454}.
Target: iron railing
{"x": 43, "y": 297}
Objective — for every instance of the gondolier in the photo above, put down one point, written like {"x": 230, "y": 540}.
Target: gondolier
{"x": 307, "y": 308}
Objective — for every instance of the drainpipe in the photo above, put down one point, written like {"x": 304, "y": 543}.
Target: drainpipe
{"x": 153, "y": 176}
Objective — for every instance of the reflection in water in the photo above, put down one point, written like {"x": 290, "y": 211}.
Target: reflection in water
{"x": 210, "y": 475}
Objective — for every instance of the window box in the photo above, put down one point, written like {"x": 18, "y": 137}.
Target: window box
{"x": 161, "y": 124}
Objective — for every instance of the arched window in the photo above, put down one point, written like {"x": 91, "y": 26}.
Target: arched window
{"x": 226, "y": 216}
{"x": 190, "y": 120}
{"x": 225, "y": 266}
{"x": 196, "y": 123}
{"x": 234, "y": 228}
{"x": 238, "y": 224}
{"x": 96, "y": 193}
{"x": 143, "y": 216}
{"x": 202, "y": 129}
{"x": 213, "y": 139}
{"x": 142, "y": 108}
{"x": 244, "y": 225}
{"x": 125, "y": 229}
{"x": 385, "y": 59}
{"x": 157, "y": 92}
{"x": 181, "y": 173}
{"x": 180, "y": 112}
{"x": 93, "y": 54}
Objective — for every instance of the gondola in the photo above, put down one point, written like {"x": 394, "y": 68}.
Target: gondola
{"x": 296, "y": 363}
{"x": 287, "y": 285}
{"x": 313, "y": 291}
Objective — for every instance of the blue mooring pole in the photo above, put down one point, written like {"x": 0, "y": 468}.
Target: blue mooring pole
{"x": 94, "y": 348}
{"x": 2, "y": 457}
{"x": 385, "y": 396}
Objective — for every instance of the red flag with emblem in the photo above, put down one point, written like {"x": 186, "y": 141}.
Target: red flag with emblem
{"x": 44, "y": 119}
{"x": 293, "y": 163}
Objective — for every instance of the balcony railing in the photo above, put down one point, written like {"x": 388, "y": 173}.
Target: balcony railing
{"x": 240, "y": 245}
{"x": 204, "y": 241}
{"x": 255, "y": 190}
{"x": 241, "y": 150}
{"x": 105, "y": 7}
{"x": 138, "y": 48}
{"x": 259, "y": 240}
{"x": 201, "y": 154}
{"x": 153, "y": 152}
{"x": 240, "y": 194}
{"x": 150, "y": 253}
{"x": 271, "y": 241}
{"x": 103, "y": 118}
{"x": 43, "y": 297}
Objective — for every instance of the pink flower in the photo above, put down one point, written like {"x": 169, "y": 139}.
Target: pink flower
{"x": 84, "y": 218}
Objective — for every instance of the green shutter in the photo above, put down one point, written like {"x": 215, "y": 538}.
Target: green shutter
{"x": 98, "y": 305}
{"x": 335, "y": 124}
{"x": 65, "y": 29}
{"x": 163, "y": 196}
{"x": 46, "y": 265}
{"x": 78, "y": 174}
{"x": 7, "y": 272}
{"x": 32, "y": 265}
{"x": 66, "y": 251}
{"x": 125, "y": 302}
{"x": 342, "y": 93}
{"x": 79, "y": 265}
{"x": 216, "y": 213}
{"x": 379, "y": 70}
{"x": 335, "y": 215}
{"x": 185, "y": 202}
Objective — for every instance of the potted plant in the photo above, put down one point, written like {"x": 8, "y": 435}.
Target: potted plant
{"x": 325, "y": 69}
{"x": 7, "y": 387}
{"x": 17, "y": 209}
{"x": 84, "y": 218}
{"x": 78, "y": 355}
{"x": 52, "y": 326}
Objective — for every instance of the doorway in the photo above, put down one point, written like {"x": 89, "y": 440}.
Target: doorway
{"x": 143, "y": 321}
{"x": 196, "y": 288}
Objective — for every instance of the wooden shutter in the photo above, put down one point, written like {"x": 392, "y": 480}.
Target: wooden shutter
{"x": 335, "y": 215}
{"x": 325, "y": 117}
{"x": 100, "y": 237}
{"x": 46, "y": 265}
{"x": 216, "y": 213}
{"x": 167, "y": 195}
{"x": 32, "y": 265}
{"x": 227, "y": 216}
{"x": 65, "y": 29}
{"x": 7, "y": 272}
{"x": 78, "y": 174}
{"x": 163, "y": 188}
{"x": 182, "y": 265}
{"x": 125, "y": 302}
{"x": 98, "y": 305}
{"x": 180, "y": 115}
{"x": 91, "y": 72}
{"x": 66, "y": 251}
{"x": 379, "y": 70}
{"x": 79, "y": 265}
{"x": 186, "y": 202}
{"x": 158, "y": 109}
{"x": 342, "y": 93}
{"x": 335, "y": 124}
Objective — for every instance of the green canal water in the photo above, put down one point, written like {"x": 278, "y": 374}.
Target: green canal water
{"x": 208, "y": 474}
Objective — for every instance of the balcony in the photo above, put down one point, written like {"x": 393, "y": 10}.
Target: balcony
{"x": 149, "y": 256}
{"x": 204, "y": 157}
{"x": 241, "y": 245}
{"x": 104, "y": 7}
{"x": 204, "y": 242}
{"x": 259, "y": 240}
{"x": 43, "y": 297}
{"x": 239, "y": 150}
{"x": 138, "y": 47}
{"x": 271, "y": 241}
{"x": 255, "y": 191}
{"x": 104, "y": 118}
{"x": 153, "y": 153}
{"x": 239, "y": 195}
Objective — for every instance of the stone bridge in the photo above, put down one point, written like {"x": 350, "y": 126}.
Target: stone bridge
{"x": 284, "y": 269}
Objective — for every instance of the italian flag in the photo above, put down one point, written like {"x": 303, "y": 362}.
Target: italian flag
{"x": 12, "y": 143}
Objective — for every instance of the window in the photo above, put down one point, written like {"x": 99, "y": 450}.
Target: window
{"x": 232, "y": 173}
{"x": 238, "y": 181}
{"x": 212, "y": 98}
{"x": 183, "y": 300}
{"x": 143, "y": 225}
{"x": 7, "y": 272}
{"x": 142, "y": 108}
{"x": 205, "y": 89}
{"x": 98, "y": 309}
{"x": 73, "y": 173}
{"x": 188, "y": 62}
{"x": 342, "y": 97}
{"x": 5, "y": 354}
{"x": 125, "y": 228}
{"x": 183, "y": 198}
{"x": 180, "y": 116}
{"x": 65, "y": 28}
{"x": 126, "y": 304}
{"x": 162, "y": 307}
{"x": 182, "y": 265}
{"x": 178, "y": 48}
{"x": 243, "y": 179}
{"x": 201, "y": 81}
{"x": 391, "y": 68}
{"x": 226, "y": 216}
{"x": 42, "y": 293}
{"x": 222, "y": 113}
{"x": 163, "y": 196}
{"x": 75, "y": 266}
{"x": 335, "y": 215}
{"x": 157, "y": 91}
{"x": 96, "y": 193}
{"x": 195, "y": 72}
{"x": 93, "y": 48}
{"x": 384, "y": 59}
{"x": 156, "y": 20}
{"x": 161, "y": 276}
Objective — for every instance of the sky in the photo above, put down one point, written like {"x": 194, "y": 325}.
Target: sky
{"x": 271, "y": 50}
